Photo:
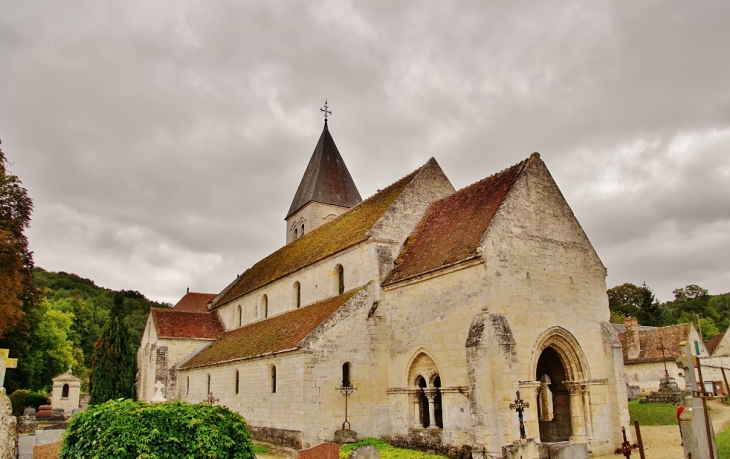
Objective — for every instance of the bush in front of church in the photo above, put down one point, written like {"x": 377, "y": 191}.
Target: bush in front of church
{"x": 21, "y": 399}
{"x": 126, "y": 429}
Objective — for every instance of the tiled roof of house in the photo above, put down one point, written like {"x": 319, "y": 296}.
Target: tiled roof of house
{"x": 651, "y": 341}
{"x": 275, "y": 334}
{"x": 173, "y": 324}
{"x": 713, "y": 342}
{"x": 344, "y": 231}
{"x": 194, "y": 302}
{"x": 326, "y": 178}
{"x": 452, "y": 229}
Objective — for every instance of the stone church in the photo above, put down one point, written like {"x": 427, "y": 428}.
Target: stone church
{"x": 436, "y": 305}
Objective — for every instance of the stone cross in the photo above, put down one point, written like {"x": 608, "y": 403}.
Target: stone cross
{"x": 5, "y": 362}
{"x": 158, "y": 397}
{"x": 325, "y": 110}
{"x": 519, "y": 405}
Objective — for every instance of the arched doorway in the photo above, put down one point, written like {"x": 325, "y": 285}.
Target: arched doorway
{"x": 425, "y": 389}
{"x": 553, "y": 398}
{"x": 563, "y": 401}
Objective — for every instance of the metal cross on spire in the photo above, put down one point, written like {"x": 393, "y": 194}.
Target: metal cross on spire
{"x": 327, "y": 112}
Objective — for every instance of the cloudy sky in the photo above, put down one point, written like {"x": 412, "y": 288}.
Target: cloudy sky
{"x": 162, "y": 141}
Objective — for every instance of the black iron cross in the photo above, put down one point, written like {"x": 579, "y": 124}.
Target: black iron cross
{"x": 210, "y": 400}
{"x": 519, "y": 405}
{"x": 664, "y": 348}
{"x": 325, "y": 110}
{"x": 346, "y": 392}
{"x": 626, "y": 447}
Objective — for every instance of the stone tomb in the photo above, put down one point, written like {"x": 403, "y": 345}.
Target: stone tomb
{"x": 66, "y": 392}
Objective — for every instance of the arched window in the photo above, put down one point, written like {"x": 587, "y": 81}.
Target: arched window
{"x": 64, "y": 391}
{"x": 273, "y": 379}
{"x": 437, "y": 412}
{"x": 208, "y": 383}
{"x": 423, "y": 413}
{"x": 296, "y": 233}
{"x": 346, "y": 375}
{"x": 237, "y": 380}
{"x": 265, "y": 306}
{"x": 339, "y": 280}
{"x": 297, "y": 294}
{"x": 187, "y": 390}
{"x": 240, "y": 315}
{"x": 302, "y": 229}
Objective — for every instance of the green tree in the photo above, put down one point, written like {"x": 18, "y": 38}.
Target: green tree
{"x": 18, "y": 295}
{"x": 52, "y": 352}
{"x": 640, "y": 302}
{"x": 114, "y": 361}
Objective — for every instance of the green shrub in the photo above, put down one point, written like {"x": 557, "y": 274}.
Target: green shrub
{"x": 22, "y": 398}
{"x": 35, "y": 400}
{"x": 17, "y": 399}
{"x": 386, "y": 450}
{"x": 125, "y": 429}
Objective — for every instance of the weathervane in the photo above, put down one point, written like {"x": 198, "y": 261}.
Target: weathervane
{"x": 327, "y": 112}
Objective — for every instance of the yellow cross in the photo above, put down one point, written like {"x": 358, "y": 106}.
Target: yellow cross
{"x": 5, "y": 362}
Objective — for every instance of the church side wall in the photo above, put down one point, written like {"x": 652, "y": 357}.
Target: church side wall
{"x": 318, "y": 282}
{"x": 348, "y": 337}
{"x": 282, "y": 412}
{"x": 544, "y": 273}
{"x": 432, "y": 318}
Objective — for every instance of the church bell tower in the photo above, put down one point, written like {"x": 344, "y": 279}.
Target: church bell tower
{"x": 326, "y": 190}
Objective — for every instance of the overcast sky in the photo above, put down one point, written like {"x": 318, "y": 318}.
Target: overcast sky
{"x": 162, "y": 142}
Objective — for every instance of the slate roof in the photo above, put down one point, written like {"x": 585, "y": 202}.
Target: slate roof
{"x": 172, "y": 324}
{"x": 275, "y": 334}
{"x": 452, "y": 229}
{"x": 344, "y": 231}
{"x": 652, "y": 338}
{"x": 326, "y": 178}
{"x": 194, "y": 302}
{"x": 713, "y": 342}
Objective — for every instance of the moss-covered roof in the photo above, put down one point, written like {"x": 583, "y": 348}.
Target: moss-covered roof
{"x": 452, "y": 229}
{"x": 344, "y": 231}
{"x": 275, "y": 334}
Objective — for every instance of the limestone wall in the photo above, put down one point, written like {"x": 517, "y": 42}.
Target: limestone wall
{"x": 317, "y": 282}
{"x": 158, "y": 359}
{"x": 545, "y": 275}
{"x": 311, "y": 216}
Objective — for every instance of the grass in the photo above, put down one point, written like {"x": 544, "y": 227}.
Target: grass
{"x": 386, "y": 450}
{"x": 723, "y": 444}
{"x": 257, "y": 448}
{"x": 653, "y": 414}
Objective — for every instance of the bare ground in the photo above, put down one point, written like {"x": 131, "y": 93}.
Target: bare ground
{"x": 663, "y": 442}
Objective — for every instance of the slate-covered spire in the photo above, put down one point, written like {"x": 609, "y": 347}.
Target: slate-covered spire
{"x": 326, "y": 179}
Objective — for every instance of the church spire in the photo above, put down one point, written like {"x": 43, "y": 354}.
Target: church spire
{"x": 326, "y": 179}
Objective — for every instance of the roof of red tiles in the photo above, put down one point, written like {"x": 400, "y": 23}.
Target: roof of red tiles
{"x": 651, "y": 341}
{"x": 275, "y": 334}
{"x": 712, "y": 343}
{"x": 194, "y": 302}
{"x": 344, "y": 231}
{"x": 173, "y": 324}
{"x": 452, "y": 229}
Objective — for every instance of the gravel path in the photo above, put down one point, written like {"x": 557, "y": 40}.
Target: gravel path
{"x": 663, "y": 442}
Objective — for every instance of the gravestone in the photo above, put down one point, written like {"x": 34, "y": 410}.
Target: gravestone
{"x": 8, "y": 423}
{"x": 365, "y": 452}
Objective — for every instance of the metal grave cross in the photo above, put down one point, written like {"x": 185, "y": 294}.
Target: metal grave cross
{"x": 5, "y": 362}
{"x": 663, "y": 348}
{"x": 346, "y": 391}
{"x": 519, "y": 405}
{"x": 327, "y": 112}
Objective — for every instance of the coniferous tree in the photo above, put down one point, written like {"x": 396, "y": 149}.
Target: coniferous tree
{"x": 114, "y": 361}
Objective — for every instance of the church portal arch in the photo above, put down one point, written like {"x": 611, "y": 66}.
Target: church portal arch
{"x": 561, "y": 367}
{"x": 424, "y": 382}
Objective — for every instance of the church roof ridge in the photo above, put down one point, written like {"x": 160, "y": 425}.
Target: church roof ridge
{"x": 344, "y": 231}
{"x": 280, "y": 333}
{"x": 452, "y": 229}
{"x": 194, "y": 302}
{"x": 326, "y": 178}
